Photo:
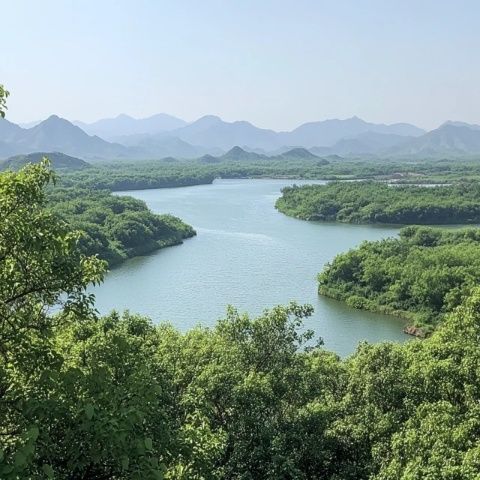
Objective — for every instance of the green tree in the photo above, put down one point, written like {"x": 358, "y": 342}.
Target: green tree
{"x": 3, "y": 100}
{"x": 40, "y": 269}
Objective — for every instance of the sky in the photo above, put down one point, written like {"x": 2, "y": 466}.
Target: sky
{"x": 275, "y": 63}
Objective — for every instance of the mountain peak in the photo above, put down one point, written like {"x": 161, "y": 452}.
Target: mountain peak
{"x": 208, "y": 119}
{"x": 300, "y": 153}
{"x": 54, "y": 122}
{"x": 455, "y": 123}
{"x": 124, "y": 116}
{"x": 53, "y": 118}
{"x": 238, "y": 153}
{"x": 236, "y": 150}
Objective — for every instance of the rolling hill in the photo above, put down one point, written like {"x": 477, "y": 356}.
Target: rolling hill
{"x": 448, "y": 139}
{"x": 238, "y": 154}
{"x": 59, "y": 161}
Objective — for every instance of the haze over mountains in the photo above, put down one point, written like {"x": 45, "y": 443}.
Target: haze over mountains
{"x": 111, "y": 128}
{"x": 163, "y": 135}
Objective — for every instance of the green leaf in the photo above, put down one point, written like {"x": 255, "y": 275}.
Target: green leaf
{"x": 158, "y": 475}
{"x": 148, "y": 443}
{"x": 20, "y": 459}
{"x": 89, "y": 411}
{"x": 125, "y": 462}
{"x": 48, "y": 470}
{"x": 33, "y": 433}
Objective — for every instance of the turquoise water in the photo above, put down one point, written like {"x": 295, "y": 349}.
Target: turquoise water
{"x": 246, "y": 254}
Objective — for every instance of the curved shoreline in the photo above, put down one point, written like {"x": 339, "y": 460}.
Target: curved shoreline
{"x": 369, "y": 305}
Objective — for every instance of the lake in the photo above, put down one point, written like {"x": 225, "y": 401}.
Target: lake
{"x": 245, "y": 254}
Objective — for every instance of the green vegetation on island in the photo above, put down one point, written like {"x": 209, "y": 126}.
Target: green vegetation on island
{"x": 115, "y": 227}
{"x": 421, "y": 276}
{"x": 118, "y": 397}
{"x": 373, "y": 202}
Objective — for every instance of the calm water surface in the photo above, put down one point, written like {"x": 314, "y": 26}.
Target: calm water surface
{"x": 246, "y": 254}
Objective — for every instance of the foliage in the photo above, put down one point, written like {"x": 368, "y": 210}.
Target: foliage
{"x": 40, "y": 268}
{"x": 372, "y": 202}
{"x": 421, "y": 275}
{"x": 116, "y": 227}
{"x": 3, "y": 100}
{"x": 117, "y": 397}
{"x": 171, "y": 172}
{"x": 138, "y": 176}
{"x": 251, "y": 398}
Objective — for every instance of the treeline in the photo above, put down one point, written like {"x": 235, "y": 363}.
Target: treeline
{"x": 117, "y": 397}
{"x": 115, "y": 227}
{"x": 170, "y": 172}
{"x": 141, "y": 176}
{"x": 422, "y": 275}
{"x": 373, "y": 202}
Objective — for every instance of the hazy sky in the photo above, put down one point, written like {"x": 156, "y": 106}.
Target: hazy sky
{"x": 275, "y": 63}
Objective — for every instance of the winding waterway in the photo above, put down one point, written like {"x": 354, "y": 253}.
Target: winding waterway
{"x": 246, "y": 254}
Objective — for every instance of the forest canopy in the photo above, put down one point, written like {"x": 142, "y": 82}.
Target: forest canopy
{"x": 422, "y": 275}
{"x": 374, "y": 202}
{"x": 118, "y": 397}
{"x": 115, "y": 227}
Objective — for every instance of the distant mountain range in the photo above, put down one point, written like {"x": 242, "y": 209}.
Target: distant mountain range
{"x": 163, "y": 135}
{"x": 111, "y": 128}
{"x": 59, "y": 135}
{"x": 452, "y": 138}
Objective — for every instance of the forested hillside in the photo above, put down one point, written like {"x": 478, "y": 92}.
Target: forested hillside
{"x": 114, "y": 227}
{"x": 422, "y": 275}
{"x": 117, "y": 397}
{"x": 59, "y": 161}
{"x": 373, "y": 202}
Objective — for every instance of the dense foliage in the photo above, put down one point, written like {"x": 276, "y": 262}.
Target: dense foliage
{"x": 373, "y": 202}
{"x": 117, "y": 397}
{"x": 139, "y": 176}
{"x": 116, "y": 227}
{"x": 3, "y": 100}
{"x": 421, "y": 275}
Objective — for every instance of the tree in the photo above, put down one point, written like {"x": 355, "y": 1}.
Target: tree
{"x": 40, "y": 269}
{"x": 3, "y": 100}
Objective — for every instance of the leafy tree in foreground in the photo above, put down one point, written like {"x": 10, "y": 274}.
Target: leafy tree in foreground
{"x": 39, "y": 269}
{"x": 79, "y": 397}
{"x": 3, "y": 100}
{"x": 83, "y": 397}
{"x": 120, "y": 398}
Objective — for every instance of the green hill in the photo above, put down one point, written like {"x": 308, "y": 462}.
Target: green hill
{"x": 59, "y": 161}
